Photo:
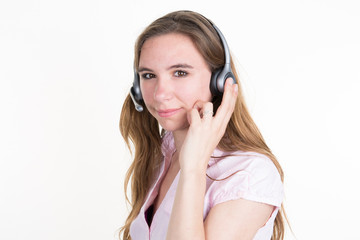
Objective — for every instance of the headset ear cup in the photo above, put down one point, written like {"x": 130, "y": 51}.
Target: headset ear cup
{"x": 213, "y": 83}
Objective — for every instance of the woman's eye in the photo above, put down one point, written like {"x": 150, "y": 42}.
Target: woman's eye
{"x": 180, "y": 74}
{"x": 148, "y": 75}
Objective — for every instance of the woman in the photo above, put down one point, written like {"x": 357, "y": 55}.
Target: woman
{"x": 208, "y": 174}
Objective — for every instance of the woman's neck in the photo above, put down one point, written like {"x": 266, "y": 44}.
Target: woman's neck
{"x": 179, "y": 137}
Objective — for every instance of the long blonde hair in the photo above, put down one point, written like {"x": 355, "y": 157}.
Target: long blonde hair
{"x": 142, "y": 129}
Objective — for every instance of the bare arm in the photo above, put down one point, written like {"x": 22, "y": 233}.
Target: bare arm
{"x": 238, "y": 219}
{"x": 186, "y": 221}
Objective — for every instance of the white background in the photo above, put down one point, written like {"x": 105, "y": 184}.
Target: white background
{"x": 66, "y": 67}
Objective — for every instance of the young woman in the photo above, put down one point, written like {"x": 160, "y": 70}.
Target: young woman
{"x": 208, "y": 174}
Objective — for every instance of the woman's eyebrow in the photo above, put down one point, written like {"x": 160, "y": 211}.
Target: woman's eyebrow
{"x": 143, "y": 69}
{"x": 180, "y": 65}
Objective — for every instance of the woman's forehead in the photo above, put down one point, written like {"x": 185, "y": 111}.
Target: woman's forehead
{"x": 169, "y": 49}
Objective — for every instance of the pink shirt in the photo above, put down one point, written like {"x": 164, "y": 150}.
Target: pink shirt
{"x": 258, "y": 180}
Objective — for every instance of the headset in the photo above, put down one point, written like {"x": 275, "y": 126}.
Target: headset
{"x": 217, "y": 82}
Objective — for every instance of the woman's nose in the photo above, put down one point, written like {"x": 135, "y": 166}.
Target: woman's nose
{"x": 163, "y": 90}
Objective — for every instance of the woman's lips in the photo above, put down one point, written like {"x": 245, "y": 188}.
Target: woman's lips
{"x": 167, "y": 112}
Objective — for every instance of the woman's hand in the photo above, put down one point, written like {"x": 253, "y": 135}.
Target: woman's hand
{"x": 206, "y": 130}
{"x": 204, "y": 134}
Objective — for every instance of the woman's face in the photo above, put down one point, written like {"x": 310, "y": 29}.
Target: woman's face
{"x": 173, "y": 76}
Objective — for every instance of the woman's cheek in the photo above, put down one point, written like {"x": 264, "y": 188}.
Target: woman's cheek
{"x": 190, "y": 95}
{"x": 199, "y": 91}
{"x": 146, "y": 92}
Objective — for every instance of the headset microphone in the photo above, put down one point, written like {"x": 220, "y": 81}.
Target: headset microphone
{"x": 138, "y": 106}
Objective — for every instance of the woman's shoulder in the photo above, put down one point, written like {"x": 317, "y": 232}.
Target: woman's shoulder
{"x": 252, "y": 163}
{"x": 248, "y": 175}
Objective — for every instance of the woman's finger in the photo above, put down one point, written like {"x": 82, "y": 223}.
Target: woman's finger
{"x": 204, "y": 108}
{"x": 227, "y": 105}
{"x": 199, "y": 105}
{"x": 230, "y": 94}
{"x": 206, "y": 112}
{"x": 193, "y": 117}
